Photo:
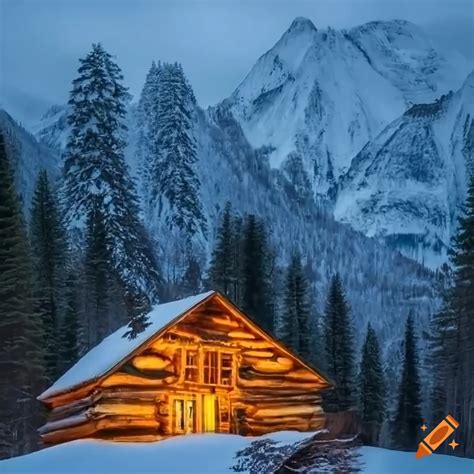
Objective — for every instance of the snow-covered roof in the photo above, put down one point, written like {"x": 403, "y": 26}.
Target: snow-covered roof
{"x": 114, "y": 348}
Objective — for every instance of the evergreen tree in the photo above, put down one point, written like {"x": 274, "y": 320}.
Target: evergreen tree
{"x": 137, "y": 310}
{"x": 173, "y": 184}
{"x": 146, "y": 119}
{"x": 222, "y": 267}
{"x": 406, "y": 427}
{"x": 21, "y": 357}
{"x": 339, "y": 348}
{"x": 70, "y": 329}
{"x": 255, "y": 283}
{"x": 371, "y": 382}
{"x": 96, "y": 172}
{"x": 49, "y": 250}
{"x": 453, "y": 348}
{"x": 296, "y": 311}
{"x": 98, "y": 276}
{"x": 191, "y": 283}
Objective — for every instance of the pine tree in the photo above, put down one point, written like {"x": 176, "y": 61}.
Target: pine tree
{"x": 255, "y": 284}
{"x": 137, "y": 310}
{"x": 191, "y": 284}
{"x": 49, "y": 250}
{"x": 21, "y": 357}
{"x": 173, "y": 184}
{"x": 222, "y": 267}
{"x": 98, "y": 276}
{"x": 372, "y": 397}
{"x": 406, "y": 426}
{"x": 96, "y": 172}
{"x": 296, "y": 311}
{"x": 70, "y": 329}
{"x": 145, "y": 117}
{"x": 339, "y": 348}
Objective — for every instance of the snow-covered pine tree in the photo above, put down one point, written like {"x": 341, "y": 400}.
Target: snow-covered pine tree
{"x": 173, "y": 186}
{"x": 453, "y": 348}
{"x": 95, "y": 170}
{"x": 372, "y": 396}
{"x": 48, "y": 243}
{"x": 255, "y": 281}
{"x": 407, "y": 422}
{"x": 147, "y": 123}
{"x": 338, "y": 336}
{"x": 21, "y": 332}
{"x": 296, "y": 310}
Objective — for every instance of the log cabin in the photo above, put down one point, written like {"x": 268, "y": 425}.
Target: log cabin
{"x": 202, "y": 365}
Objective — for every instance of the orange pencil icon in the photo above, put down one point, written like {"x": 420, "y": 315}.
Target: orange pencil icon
{"x": 436, "y": 437}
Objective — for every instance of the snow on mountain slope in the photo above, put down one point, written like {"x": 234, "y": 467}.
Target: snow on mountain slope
{"x": 409, "y": 183}
{"x": 205, "y": 454}
{"x": 29, "y": 157}
{"x": 381, "y": 285}
{"x": 324, "y": 93}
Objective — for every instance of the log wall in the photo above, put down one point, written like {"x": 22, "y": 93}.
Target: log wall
{"x": 270, "y": 389}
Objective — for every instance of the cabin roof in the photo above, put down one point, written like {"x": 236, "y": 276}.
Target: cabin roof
{"x": 114, "y": 349}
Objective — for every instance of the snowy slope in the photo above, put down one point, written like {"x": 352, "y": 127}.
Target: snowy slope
{"x": 204, "y": 454}
{"x": 28, "y": 158}
{"x": 324, "y": 93}
{"x": 409, "y": 183}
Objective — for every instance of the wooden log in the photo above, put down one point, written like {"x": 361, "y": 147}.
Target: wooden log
{"x": 75, "y": 407}
{"x": 126, "y": 422}
{"x": 151, "y": 362}
{"x": 278, "y": 366}
{"x": 278, "y": 383}
{"x": 127, "y": 380}
{"x": 253, "y": 345}
{"x": 70, "y": 396}
{"x": 295, "y": 376}
{"x": 149, "y": 374}
{"x": 257, "y": 354}
{"x": 298, "y": 410}
{"x": 241, "y": 335}
{"x": 68, "y": 434}
{"x": 130, "y": 409}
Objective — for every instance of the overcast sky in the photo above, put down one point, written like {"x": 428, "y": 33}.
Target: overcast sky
{"x": 217, "y": 41}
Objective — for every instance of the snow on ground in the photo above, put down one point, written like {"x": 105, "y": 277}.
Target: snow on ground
{"x": 203, "y": 454}
{"x": 385, "y": 461}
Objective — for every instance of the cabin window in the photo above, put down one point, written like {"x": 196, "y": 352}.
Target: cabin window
{"x": 191, "y": 373}
{"x": 210, "y": 367}
{"x": 226, "y": 369}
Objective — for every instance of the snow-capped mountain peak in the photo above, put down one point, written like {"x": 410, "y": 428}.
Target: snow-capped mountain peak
{"x": 323, "y": 94}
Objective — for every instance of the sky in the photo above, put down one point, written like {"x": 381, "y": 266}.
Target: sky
{"x": 217, "y": 41}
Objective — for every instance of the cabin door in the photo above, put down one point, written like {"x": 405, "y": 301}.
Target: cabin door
{"x": 209, "y": 413}
{"x": 184, "y": 416}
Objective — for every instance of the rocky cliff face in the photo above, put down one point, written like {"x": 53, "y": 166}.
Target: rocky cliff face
{"x": 408, "y": 184}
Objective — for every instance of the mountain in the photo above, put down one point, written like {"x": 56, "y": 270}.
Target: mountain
{"x": 323, "y": 94}
{"x": 408, "y": 184}
{"x": 29, "y": 157}
{"x": 309, "y": 104}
